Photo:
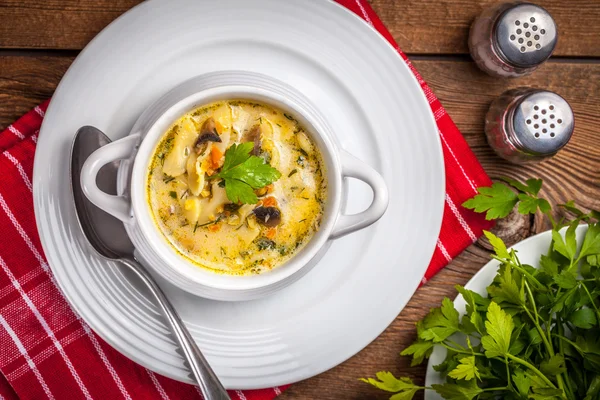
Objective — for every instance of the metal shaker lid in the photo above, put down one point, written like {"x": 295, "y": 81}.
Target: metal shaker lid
{"x": 525, "y": 35}
{"x": 542, "y": 123}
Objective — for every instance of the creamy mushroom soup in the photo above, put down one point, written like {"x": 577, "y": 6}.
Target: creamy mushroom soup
{"x": 237, "y": 187}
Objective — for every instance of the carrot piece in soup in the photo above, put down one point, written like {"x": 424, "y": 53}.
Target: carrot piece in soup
{"x": 270, "y": 202}
{"x": 215, "y": 157}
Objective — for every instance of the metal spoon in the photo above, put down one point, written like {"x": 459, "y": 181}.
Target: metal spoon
{"x": 108, "y": 237}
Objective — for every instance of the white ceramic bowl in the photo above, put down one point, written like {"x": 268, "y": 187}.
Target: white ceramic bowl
{"x": 131, "y": 206}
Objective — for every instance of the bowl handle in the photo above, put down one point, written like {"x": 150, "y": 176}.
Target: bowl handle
{"x": 355, "y": 168}
{"x": 117, "y": 206}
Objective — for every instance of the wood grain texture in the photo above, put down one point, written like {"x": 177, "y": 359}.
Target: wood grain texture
{"x": 56, "y": 24}
{"x": 442, "y": 26}
{"x": 26, "y": 81}
{"x": 466, "y": 92}
{"x": 419, "y": 26}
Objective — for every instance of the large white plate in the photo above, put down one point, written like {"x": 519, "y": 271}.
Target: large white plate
{"x": 379, "y": 114}
{"x": 529, "y": 251}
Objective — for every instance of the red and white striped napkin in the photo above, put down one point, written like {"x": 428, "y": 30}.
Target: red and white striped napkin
{"x": 47, "y": 351}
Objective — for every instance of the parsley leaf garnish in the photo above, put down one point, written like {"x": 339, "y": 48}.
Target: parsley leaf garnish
{"x": 466, "y": 370}
{"x": 498, "y": 201}
{"x": 584, "y": 318}
{"x": 440, "y": 323}
{"x": 591, "y": 242}
{"x": 419, "y": 350}
{"x": 462, "y": 390}
{"x": 554, "y": 366}
{"x": 530, "y": 205}
{"x": 506, "y": 287}
{"x": 531, "y": 186}
{"x": 499, "y": 326}
{"x": 388, "y": 382}
{"x": 242, "y": 173}
{"x": 497, "y": 244}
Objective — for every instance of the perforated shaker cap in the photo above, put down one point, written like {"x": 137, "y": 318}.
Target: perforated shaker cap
{"x": 542, "y": 123}
{"x": 525, "y": 35}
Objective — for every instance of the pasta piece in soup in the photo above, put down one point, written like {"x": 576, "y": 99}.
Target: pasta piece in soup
{"x": 180, "y": 140}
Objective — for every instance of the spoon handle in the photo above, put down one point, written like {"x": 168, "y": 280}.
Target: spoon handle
{"x": 207, "y": 380}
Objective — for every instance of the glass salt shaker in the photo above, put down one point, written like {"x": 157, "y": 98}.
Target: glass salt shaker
{"x": 512, "y": 39}
{"x": 526, "y": 125}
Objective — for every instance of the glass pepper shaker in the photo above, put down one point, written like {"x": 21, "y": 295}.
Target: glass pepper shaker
{"x": 527, "y": 125}
{"x": 512, "y": 39}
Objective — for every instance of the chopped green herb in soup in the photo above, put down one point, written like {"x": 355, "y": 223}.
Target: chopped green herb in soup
{"x": 237, "y": 187}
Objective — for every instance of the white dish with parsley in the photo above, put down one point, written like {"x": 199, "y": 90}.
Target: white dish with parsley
{"x": 235, "y": 186}
{"x": 529, "y": 251}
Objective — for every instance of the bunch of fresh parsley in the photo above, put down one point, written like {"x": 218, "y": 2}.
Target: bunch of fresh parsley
{"x": 242, "y": 173}
{"x": 537, "y": 334}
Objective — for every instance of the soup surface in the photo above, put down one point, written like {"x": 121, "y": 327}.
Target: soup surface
{"x": 237, "y": 187}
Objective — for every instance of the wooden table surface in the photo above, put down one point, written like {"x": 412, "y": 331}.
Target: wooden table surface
{"x": 39, "y": 40}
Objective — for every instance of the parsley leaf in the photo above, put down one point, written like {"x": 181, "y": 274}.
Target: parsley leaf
{"x": 566, "y": 246}
{"x": 404, "y": 395}
{"x": 548, "y": 265}
{"x": 530, "y": 205}
{"x": 242, "y": 173}
{"x": 505, "y": 288}
{"x": 594, "y": 388}
{"x": 499, "y": 326}
{"x": 536, "y": 381}
{"x": 531, "y": 186}
{"x": 564, "y": 300}
{"x": 497, "y": 244}
{"x": 534, "y": 336}
{"x": 570, "y": 206}
{"x": 497, "y": 200}
{"x": 554, "y": 366}
{"x": 546, "y": 394}
{"x": 591, "y": 242}
{"x": 419, "y": 350}
{"x": 462, "y": 390}
{"x": 388, "y": 382}
{"x": 253, "y": 172}
{"x": 236, "y": 155}
{"x": 474, "y": 302}
{"x": 584, "y": 318}
{"x": 466, "y": 370}
{"x": 239, "y": 192}
{"x": 522, "y": 382}
{"x": 440, "y": 323}
{"x": 566, "y": 279}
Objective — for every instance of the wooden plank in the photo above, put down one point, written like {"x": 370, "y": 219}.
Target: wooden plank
{"x": 466, "y": 92}
{"x": 56, "y": 24}
{"x": 419, "y": 26}
{"x": 434, "y": 26}
{"x": 27, "y": 81}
